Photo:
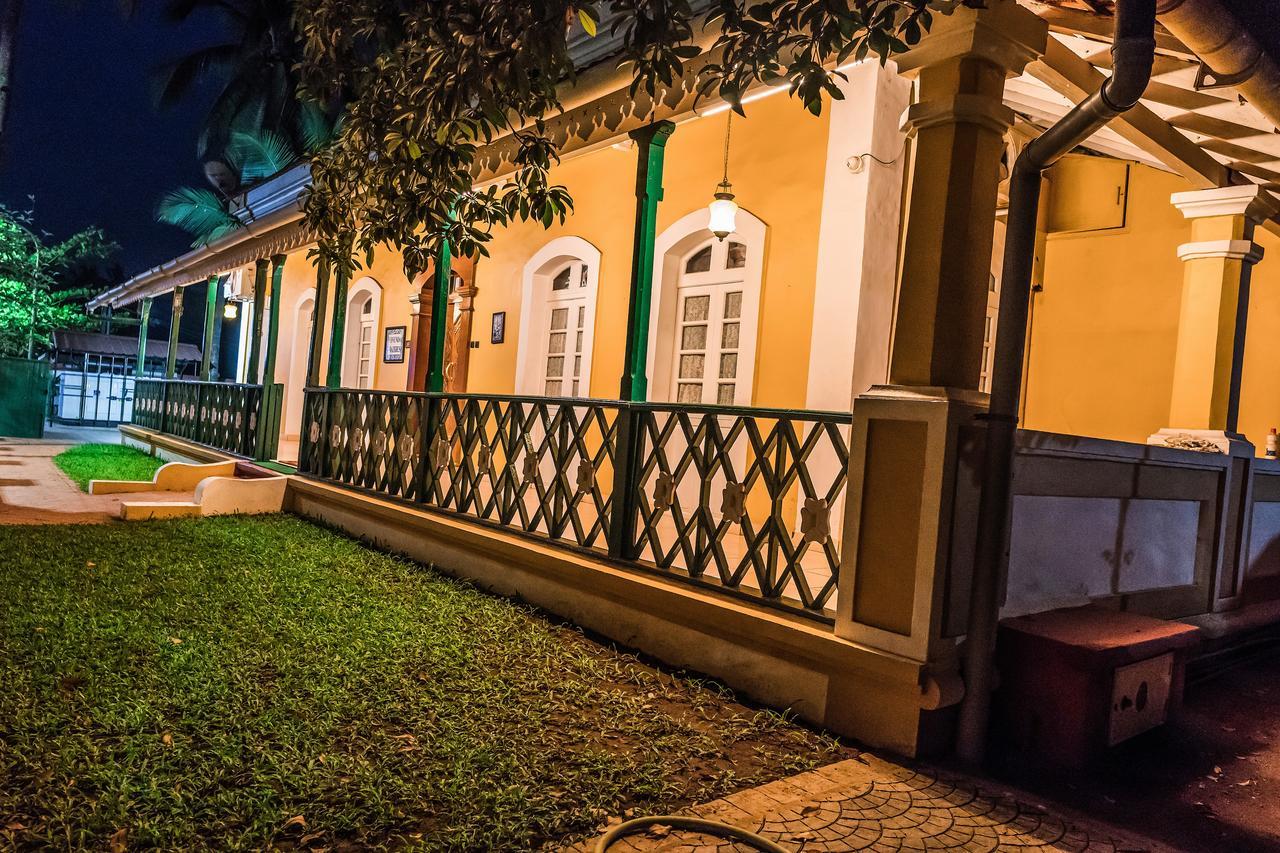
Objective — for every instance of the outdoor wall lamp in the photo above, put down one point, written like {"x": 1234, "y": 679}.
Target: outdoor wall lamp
{"x": 230, "y": 309}
{"x": 723, "y": 209}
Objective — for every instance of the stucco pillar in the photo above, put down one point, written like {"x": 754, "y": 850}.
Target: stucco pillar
{"x": 1205, "y": 403}
{"x": 904, "y": 575}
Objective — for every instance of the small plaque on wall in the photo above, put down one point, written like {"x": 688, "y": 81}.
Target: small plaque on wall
{"x": 393, "y": 345}
{"x": 498, "y": 331}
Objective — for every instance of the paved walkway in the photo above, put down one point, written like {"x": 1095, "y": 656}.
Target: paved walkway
{"x": 34, "y": 491}
{"x": 871, "y": 804}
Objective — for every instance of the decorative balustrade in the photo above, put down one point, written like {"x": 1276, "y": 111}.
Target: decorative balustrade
{"x": 738, "y": 500}
{"x": 222, "y": 415}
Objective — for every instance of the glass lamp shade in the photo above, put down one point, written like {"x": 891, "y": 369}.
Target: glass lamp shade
{"x": 229, "y": 310}
{"x": 724, "y": 215}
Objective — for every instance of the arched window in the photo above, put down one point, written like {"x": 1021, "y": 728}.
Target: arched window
{"x": 364, "y": 355}
{"x": 706, "y": 310}
{"x": 359, "y": 361}
{"x": 557, "y": 318}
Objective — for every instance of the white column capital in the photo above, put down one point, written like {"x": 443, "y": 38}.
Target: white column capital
{"x": 1003, "y": 34}
{"x": 1248, "y": 200}
{"x": 1234, "y": 250}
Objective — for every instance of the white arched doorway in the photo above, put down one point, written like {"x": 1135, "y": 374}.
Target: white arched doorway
{"x": 360, "y": 347}
{"x": 557, "y": 319}
{"x": 706, "y": 312}
{"x": 303, "y": 317}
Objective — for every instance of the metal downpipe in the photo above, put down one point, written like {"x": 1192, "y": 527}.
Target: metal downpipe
{"x": 1133, "y": 51}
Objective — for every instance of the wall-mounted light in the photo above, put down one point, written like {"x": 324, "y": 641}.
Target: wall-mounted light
{"x": 723, "y": 209}
{"x": 230, "y": 309}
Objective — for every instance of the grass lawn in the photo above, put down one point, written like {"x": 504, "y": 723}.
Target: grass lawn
{"x": 86, "y": 462}
{"x": 261, "y": 682}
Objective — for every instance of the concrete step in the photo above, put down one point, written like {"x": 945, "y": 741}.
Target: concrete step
{"x": 171, "y": 477}
{"x": 218, "y": 495}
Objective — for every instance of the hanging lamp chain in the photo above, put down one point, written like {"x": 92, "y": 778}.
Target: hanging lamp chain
{"x": 728, "y": 129}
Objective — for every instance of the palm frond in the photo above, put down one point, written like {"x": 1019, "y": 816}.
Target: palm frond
{"x": 259, "y": 155}
{"x": 315, "y": 129}
{"x": 199, "y": 212}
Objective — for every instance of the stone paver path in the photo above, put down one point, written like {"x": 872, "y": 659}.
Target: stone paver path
{"x": 871, "y": 804}
{"x": 34, "y": 491}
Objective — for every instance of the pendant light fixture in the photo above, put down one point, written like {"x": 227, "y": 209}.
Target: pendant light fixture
{"x": 723, "y": 209}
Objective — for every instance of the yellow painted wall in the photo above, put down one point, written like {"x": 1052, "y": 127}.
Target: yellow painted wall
{"x": 1105, "y": 325}
{"x": 299, "y": 277}
{"x": 1104, "y": 329}
{"x": 777, "y": 158}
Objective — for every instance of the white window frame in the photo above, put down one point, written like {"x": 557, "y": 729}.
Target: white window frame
{"x": 673, "y": 248}
{"x": 364, "y": 288}
{"x": 536, "y": 300}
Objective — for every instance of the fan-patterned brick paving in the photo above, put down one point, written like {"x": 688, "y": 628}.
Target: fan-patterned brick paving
{"x": 873, "y": 805}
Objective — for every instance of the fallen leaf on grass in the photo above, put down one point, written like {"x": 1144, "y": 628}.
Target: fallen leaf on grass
{"x": 166, "y": 739}
{"x": 296, "y": 821}
{"x": 177, "y": 641}
{"x": 119, "y": 841}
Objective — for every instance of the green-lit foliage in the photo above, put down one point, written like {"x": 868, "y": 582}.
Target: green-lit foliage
{"x": 37, "y": 277}
{"x": 429, "y": 84}
{"x": 86, "y": 462}
{"x": 260, "y": 683}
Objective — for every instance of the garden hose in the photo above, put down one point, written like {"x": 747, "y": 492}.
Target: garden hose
{"x": 695, "y": 824}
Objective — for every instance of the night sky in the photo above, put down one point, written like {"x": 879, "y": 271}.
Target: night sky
{"x": 83, "y": 134}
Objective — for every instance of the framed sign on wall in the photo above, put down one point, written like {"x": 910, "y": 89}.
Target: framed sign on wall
{"x": 498, "y": 331}
{"x": 393, "y": 345}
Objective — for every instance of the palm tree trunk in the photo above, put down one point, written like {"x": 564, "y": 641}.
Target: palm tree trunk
{"x": 10, "y": 15}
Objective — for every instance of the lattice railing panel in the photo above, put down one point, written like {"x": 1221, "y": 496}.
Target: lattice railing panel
{"x": 748, "y": 499}
{"x": 543, "y": 465}
{"x": 223, "y": 415}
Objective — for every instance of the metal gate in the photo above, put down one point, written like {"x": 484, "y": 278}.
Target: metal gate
{"x": 96, "y": 392}
{"x": 23, "y": 386}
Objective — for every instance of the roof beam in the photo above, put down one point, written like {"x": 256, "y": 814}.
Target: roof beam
{"x": 1071, "y": 22}
{"x": 1066, "y": 73}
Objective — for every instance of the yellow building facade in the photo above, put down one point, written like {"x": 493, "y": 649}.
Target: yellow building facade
{"x": 793, "y": 505}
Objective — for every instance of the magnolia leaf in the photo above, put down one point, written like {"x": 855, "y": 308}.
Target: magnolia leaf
{"x": 588, "y": 23}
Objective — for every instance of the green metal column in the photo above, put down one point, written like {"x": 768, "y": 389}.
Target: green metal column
{"x": 259, "y": 302}
{"x": 651, "y": 142}
{"x": 318, "y": 316}
{"x": 439, "y": 320}
{"x": 210, "y": 317}
{"x": 140, "y": 368}
{"x": 268, "y": 425}
{"x": 273, "y": 320}
{"x": 175, "y": 324}
{"x": 339, "y": 329}
{"x": 218, "y": 322}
